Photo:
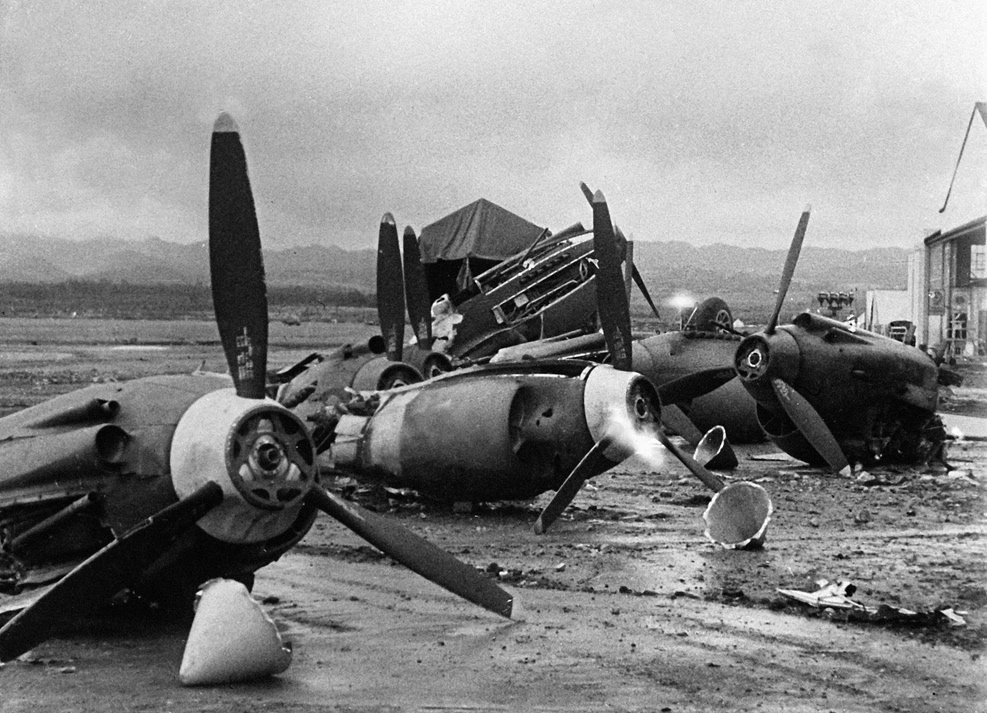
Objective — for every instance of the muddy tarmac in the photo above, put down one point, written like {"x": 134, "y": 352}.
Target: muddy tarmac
{"x": 626, "y": 605}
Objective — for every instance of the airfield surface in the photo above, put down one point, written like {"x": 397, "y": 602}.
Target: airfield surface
{"x": 627, "y": 606}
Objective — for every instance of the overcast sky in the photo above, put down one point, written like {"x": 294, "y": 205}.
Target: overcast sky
{"x": 705, "y": 122}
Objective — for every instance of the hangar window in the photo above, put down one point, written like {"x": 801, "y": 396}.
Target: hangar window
{"x": 978, "y": 259}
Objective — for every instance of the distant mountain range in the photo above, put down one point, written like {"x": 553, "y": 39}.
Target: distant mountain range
{"x": 25, "y": 258}
{"x": 745, "y": 277}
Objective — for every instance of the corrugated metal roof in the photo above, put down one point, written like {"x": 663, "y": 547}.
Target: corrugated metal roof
{"x": 961, "y": 232}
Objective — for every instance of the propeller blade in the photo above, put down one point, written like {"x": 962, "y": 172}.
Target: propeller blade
{"x": 236, "y": 265}
{"x": 104, "y": 573}
{"x": 694, "y": 385}
{"x": 789, "y": 269}
{"x": 586, "y": 192}
{"x": 708, "y": 479}
{"x": 590, "y": 465}
{"x": 810, "y": 424}
{"x": 416, "y": 291}
{"x": 415, "y": 553}
{"x": 675, "y": 419}
{"x": 390, "y": 287}
{"x": 639, "y": 281}
{"x": 611, "y": 297}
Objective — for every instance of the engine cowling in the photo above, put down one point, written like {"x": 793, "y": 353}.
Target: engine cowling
{"x": 614, "y": 401}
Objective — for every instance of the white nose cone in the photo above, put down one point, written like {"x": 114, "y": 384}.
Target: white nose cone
{"x": 737, "y": 517}
{"x": 232, "y": 639}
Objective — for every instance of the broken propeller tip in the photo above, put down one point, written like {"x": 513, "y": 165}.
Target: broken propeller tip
{"x": 586, "y": 191}
{"x": 387, "y": 219}
{"x": 225, "y": 124}
{"x": 598, "y": 197}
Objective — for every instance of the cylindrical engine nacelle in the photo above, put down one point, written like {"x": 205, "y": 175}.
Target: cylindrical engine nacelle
{"x": 379, "y": 374}
{"x": 429, "y": 363}
{"x": 69, "y": 458}
{"x": 500, "y": 436}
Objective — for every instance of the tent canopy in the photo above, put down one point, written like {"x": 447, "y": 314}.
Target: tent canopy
{"x": 479, "y": 230}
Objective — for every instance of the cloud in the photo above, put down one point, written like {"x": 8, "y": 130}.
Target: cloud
{"x": 701, "y": 121}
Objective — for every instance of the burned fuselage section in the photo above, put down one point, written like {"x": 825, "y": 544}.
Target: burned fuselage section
{"x": 547, "y": 291}
{"x": 876, "y": 396}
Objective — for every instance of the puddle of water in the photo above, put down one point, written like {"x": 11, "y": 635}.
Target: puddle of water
{"x": 138, "y": 348}
{"x": 35, "y": 356}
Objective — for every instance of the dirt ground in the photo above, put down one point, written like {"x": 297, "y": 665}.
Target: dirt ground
{"x": 626, "y": 605}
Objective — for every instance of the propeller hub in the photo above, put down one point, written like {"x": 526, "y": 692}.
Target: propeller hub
{"x": 763, "y": 357}
{"x": 642, "y": 409}
{"x": 259, "y": 452}
{"x": 268, "y": 458}
{"x": 752, "y": 361}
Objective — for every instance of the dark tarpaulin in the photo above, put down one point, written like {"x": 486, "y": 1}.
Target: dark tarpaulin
{"x": 449, "y": 276}
{"x": 479, "y": 230}
{"x": 480, "y": 235}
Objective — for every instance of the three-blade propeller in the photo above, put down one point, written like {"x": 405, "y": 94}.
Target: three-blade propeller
{"x": 240, "y": 302}
{"x": 615, "y": 318}
{"x": 614, "y": 314}
{"x": 802, "y": 414}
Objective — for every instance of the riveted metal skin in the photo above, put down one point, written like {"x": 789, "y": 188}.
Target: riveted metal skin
{"x": 493, "y": 433}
